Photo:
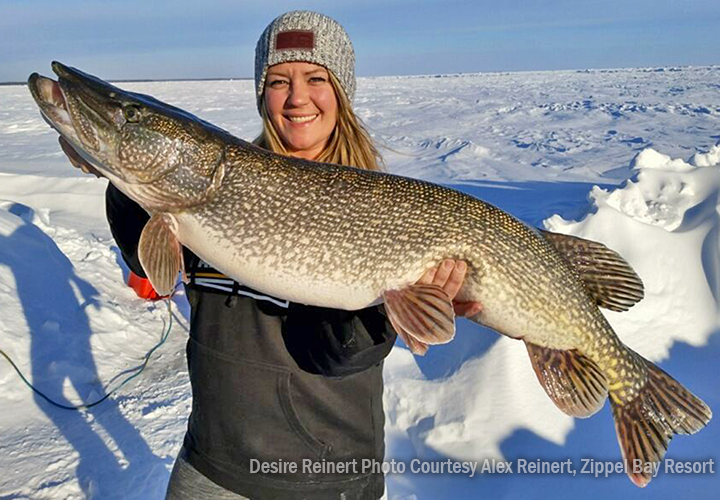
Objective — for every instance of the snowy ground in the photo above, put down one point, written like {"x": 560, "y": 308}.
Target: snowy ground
{"x": 626, "y": 157}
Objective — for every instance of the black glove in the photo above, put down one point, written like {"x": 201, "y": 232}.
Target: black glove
{"x": 337, "y": 343}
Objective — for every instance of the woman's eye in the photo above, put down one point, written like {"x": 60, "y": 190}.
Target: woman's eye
{"x": 318, "y": 79}
{"x": 277, "y": 83}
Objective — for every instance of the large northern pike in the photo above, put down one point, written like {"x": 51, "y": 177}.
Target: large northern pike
{"x": 345, "y": 238}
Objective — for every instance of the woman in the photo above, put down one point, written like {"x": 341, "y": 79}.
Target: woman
{"x": 277, "y": 384}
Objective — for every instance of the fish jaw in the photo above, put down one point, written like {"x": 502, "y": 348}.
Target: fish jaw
{"x": 52, "y": 104}
{"x": 64, "y": 106}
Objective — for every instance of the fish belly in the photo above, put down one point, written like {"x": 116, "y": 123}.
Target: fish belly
{"x": 262, "y": 271}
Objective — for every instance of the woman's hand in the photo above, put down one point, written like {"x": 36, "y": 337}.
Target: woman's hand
{"x": 76, "y": 160}
{"x": 449, "y": 276}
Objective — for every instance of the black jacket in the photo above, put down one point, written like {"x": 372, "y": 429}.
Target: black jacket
{"x": 276, "y": 383}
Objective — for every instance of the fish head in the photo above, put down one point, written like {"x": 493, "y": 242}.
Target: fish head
{"x": 131, "y": 138}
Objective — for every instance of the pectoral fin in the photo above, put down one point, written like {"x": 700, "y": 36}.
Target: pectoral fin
{"x": 607, "y": 276}
{"x": 574, "y": 382}
{"x": 422, "y": 315}
{"x": 415, "y": 346}
{"x": 160, "y": 253}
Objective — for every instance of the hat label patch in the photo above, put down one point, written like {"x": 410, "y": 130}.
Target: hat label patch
{"x": 289, "y": 40}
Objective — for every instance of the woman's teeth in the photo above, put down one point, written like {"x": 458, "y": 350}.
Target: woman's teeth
{"x": 301, "y": 119}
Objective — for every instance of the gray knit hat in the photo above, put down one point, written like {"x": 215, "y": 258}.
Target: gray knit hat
{"x": 306, "y": 36}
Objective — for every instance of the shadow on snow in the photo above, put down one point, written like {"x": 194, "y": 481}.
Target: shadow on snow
{"x": 60, "y": 351}
{"x": 591, "y": 439}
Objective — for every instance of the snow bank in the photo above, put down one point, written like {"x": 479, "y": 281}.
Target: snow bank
{"x": 665, "y": 222}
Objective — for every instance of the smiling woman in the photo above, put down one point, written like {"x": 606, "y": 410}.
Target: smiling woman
{"x": 307, "y": 106}
{"x": 300, "y": 101}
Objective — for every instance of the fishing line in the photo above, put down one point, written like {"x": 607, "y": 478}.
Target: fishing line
{"x": 138, "y": 369}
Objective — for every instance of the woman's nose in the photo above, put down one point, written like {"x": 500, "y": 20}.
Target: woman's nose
{"x": 299, "y": 94}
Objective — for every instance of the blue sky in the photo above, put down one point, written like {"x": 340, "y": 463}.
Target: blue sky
{"x": 165, "y": 39}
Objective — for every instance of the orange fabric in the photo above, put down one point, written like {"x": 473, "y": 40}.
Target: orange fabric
{"x": 142, "y": 287}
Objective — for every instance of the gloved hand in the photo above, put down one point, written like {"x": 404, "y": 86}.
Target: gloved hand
{"x": 143, "y": 288}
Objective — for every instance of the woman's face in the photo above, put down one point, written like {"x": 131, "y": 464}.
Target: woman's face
{"x": 302, "y": 105}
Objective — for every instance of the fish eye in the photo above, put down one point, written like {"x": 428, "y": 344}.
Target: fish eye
{"x": 131, "y": 113}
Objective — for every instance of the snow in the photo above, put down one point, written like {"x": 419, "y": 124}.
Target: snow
{"x": 626, "y": 157}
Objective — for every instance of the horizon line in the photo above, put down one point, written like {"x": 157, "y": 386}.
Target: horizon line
{"x": 420, "y": 75}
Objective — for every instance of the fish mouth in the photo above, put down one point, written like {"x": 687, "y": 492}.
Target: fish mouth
{"x": 69, "y": 110}
{"x": 49, "y": 96}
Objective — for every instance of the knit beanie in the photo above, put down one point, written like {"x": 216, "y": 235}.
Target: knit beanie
{"x": 306, "y": 36}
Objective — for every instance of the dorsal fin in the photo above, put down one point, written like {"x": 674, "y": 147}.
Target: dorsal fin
{"x": 607, "y": 276}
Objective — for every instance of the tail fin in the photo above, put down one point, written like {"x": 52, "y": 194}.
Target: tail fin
{"x": 646, "y": 424}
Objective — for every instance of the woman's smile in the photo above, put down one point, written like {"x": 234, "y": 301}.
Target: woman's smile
{"x": 301, "y": 119}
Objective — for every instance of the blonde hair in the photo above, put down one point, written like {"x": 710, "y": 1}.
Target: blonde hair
{"x": 349, "y": 143}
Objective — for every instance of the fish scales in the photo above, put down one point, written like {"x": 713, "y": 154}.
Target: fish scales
{"x": 339, "y": 230}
